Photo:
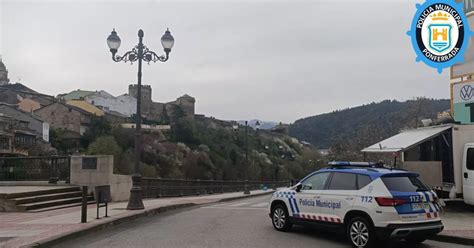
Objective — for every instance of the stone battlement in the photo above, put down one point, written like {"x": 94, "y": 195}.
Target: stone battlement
{"x": 163, "y": 112}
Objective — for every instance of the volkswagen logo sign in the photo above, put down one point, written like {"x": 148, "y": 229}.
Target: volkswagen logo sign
{"x": 466, "y": 92}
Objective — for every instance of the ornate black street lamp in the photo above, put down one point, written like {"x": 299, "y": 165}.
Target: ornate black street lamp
{"x": 138, "y": 53}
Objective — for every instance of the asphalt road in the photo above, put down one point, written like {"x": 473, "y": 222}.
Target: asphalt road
{"x": 242, "y": 223}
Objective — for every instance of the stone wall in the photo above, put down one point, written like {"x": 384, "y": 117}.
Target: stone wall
{"x": 158, "y": 112}
{"x": 146, "y": 97}
{"x": 163, "y": 112}
{"x": 61, "y": 116}
{"x": 186, "y": 104}
{"x": 102, "y": 174}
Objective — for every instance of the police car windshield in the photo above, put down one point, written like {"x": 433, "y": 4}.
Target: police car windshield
{"x": 404, "y": 184}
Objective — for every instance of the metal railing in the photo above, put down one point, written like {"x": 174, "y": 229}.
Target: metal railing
{"x": 155, "y": 187}
{"x": 51, "y": 168}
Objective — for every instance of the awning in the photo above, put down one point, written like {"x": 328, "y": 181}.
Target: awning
{"x": 407, "y": 139}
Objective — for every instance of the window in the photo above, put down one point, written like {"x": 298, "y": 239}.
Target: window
{"x": 315, "y": 182}
{"x": 343, "y": 181}
{"x": 362, "y": 181}
{"x": 4, "y": 143}
{"x": 470, "y": 159}
{"x": 404, "y": 184}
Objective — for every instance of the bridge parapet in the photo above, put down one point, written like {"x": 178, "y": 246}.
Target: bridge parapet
{"x": 160, "y": 187}
{"x": 98, "y": 170}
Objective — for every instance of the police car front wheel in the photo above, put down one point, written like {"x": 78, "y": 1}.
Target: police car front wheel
{"x": 280, "y": 218}
{"x": 360, "y": 233}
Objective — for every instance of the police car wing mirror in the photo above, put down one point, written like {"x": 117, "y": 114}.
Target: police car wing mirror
{"x": 298, "y": 187}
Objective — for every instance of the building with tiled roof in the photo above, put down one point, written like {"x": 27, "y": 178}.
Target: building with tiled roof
{"x": 76, "y": 95}
{"x": 86, "y": 107}
{"x": 66, "y": 117}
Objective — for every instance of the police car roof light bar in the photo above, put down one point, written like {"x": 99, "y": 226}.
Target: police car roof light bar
{"x": 354, "y": 164}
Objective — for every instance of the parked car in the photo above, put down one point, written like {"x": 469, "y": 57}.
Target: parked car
{"x": 366, "y": 201}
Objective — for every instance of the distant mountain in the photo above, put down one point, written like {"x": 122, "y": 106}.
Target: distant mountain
{"x": 263, "y": 124}
{"x": 379, "y": 120}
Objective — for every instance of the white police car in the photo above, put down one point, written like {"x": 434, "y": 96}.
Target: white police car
{"x": 366, "y": 201}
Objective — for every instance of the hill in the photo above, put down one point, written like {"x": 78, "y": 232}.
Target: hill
{"x": 197, "y": 148}
{"x": 370, "y": 123}
{"x": 265, "y": 125}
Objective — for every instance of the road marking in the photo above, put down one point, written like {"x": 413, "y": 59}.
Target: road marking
{"x": 219, "y": 205}
{"x": 238, "y": 204}
{"x": 237, "y": 208}
{"x": 263, "y": 204}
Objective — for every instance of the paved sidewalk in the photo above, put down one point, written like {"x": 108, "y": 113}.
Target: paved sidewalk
{"x": 21, "y": 189}
{"x": 33, "y": 229}
{"x": 458, "y": 220}
{"x": 29, "y": 229}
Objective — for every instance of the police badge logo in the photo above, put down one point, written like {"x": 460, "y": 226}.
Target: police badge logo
{"x": 440, "y": 33}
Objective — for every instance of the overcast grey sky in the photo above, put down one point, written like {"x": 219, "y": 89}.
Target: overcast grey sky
{"x": 273, "y": 60}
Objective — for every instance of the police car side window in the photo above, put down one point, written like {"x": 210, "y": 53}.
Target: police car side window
{"x": 315, "y": 182}
{"x": 343, "y": 181}
{"x": 362, "y": 181}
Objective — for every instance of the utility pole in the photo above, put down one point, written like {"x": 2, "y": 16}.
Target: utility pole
{"x": 246, "y": 187}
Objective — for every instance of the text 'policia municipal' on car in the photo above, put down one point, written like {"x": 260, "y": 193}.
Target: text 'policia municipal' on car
{"x": 366, "y": 201}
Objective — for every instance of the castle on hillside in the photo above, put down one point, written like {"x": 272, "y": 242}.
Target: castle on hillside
{"x": 164, "y": 112}
{"x": 122, "y": 106}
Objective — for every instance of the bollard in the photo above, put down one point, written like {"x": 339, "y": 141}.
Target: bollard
{"x": 246, "y": 188}
{"x": 84, "y": 205}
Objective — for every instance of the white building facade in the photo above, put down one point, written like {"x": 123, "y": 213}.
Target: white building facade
{"x": 123, "y": 104}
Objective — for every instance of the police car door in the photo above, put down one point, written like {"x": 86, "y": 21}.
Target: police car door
{"x": 308, "y": 195}
{"x": 339, "y": 196}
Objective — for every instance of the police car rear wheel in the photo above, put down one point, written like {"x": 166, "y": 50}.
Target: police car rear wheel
{"x": 361, "y": 233}
{"x": 280, "y": 218}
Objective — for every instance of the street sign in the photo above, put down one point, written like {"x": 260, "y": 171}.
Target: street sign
{"x": 462, "y": 101}
{"x": 467, "y": 68}
{"x": 89, "y": 163}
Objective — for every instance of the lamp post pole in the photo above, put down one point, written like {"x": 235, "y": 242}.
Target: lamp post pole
{"x": 246, "y": 143}
{"x": 139, "y": 53}
{"x": 135, "y": 201}
{"x": 246, "y": 190}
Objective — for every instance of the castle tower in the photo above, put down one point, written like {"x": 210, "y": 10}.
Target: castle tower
{"x": 182, "y": 107}
{"x": 3, "y": 73}
{"x": 146, "y": 97}
{"x": 186, "y": 103}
